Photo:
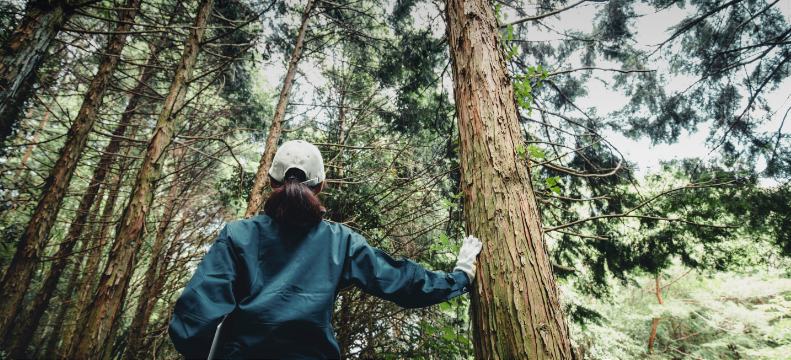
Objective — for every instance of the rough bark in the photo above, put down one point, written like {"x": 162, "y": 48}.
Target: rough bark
{"x": 515, "y": 309}
{"x": 262, "y": 175}
{"x": 147, "y": 299}
{"x": 71, "y": 290}
{"x": 20, "y": 335}
{"x": 17, "y": 278}
{"x": 98, "y": 323}
{"x": 93, "y": 259}
{"x": 23, "y": 54}
{"x": 27, "y": 326}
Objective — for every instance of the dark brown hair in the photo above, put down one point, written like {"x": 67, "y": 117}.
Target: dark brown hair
{"x": 292, "y": 204}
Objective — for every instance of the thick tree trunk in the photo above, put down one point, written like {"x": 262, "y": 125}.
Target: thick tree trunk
{"x": 148, "y": 293}
{"x": 515, "y": 309}
{"x": 17, "y": 278}
{"x": 23, "y": 54}
{"x": 99, "y": 321}
{"x": 262, "y": 175}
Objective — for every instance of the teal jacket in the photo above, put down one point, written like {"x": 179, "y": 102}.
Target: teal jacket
{"x": 278, "y": 290}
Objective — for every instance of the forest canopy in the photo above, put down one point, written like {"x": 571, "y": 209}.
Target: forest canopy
{"x": 643, "y": 146}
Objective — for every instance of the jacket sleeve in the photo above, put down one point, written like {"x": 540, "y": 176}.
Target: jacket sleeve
{"x": 403, "y": 281}
{"x": 206, "y": 299}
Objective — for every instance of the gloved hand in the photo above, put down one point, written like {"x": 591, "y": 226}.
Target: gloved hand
{"x": 468, "y": 253}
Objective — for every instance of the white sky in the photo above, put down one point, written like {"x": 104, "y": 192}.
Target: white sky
{"x": 651, "y": 29}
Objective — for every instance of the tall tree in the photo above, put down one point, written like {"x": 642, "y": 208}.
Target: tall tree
{"x": 28, "y": 323}
{"x": 17, "y": 278}
{"x": 262, "y": 175}
{"x": 100, "y": 321}
{"x": 22, "y": 55}
{"x": 516, "y": 311}
{"x": 154, "y": 273}
{"x": 94, "y": 256}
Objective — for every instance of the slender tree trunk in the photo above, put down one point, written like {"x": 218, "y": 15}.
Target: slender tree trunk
{"x": 20, "y": 335}
{"x": 515, "y": 309}
{"x": 655, "y": 321}
{"x": 17, "y": 278}
{"x": 137, "y": 330}
{"x": 262, "y": 175}
{"x": 29, "y": 150}
{"x": 110, "y": 294}
{"x": 23, "y": 54}
{"x": 93, "y": 259}
{"x": 27, "y": 326}
{"x": 156, "y": 289}
{"x": 67, "y": 303}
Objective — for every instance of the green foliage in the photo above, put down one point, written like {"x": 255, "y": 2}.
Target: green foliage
{"x": 704, "y": 315}
{"x": 526, "y": 84}
{"x": 385, "y": 122}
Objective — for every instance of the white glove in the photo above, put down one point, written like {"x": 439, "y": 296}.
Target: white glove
{"x": 468, "y": 253}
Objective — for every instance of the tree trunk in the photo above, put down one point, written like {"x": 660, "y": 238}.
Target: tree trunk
{"x": 111, "y": 292}
{"x": 20, "y": 335}
{"x": 148, "y": 293}
{"x": 515, "y": 309}
{"x": 28, "y": 325}
{"x": 70, "y": 290}
{"x": 156, "y": 290}
{"x": 87, "y": 283}
{"x": 17, "y": 278}
{"x": 262, "y": 175}
{"x": 29, "y": 150}
{"x": 23, "y": 54}
{"x": 655, "y": 321}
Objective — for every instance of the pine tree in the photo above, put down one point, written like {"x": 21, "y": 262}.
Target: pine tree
{"x": 515, "y": 305}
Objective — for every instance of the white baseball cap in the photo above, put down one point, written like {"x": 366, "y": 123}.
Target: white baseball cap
{"x": 301, "y": 155}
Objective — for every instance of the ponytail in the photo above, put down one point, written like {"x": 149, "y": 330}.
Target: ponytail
{"x": 294, "y": 205}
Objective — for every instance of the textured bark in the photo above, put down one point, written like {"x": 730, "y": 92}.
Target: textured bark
{"x": 146, "y": 347}
{"x": 655, "y": 321}
{"x": 262, "y": 175}
{"x": 515, "y": 309}
{"x": 27, "y": 326}
{"x": 99, "y": 321}
{"x": 93, "y": 258}
{"x": 68, "y": 301}
{"x": 23, "y": 54}
{"x": 17, "y": 278}
{"x": 149, "y": 290}
{"x": 57, "y": 335}
{"x": 20, "y": 335}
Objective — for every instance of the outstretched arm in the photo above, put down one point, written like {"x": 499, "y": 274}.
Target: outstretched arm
{"x": 403, "y": 281}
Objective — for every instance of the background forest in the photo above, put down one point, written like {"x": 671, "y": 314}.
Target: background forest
{"x": 132, "y": 130}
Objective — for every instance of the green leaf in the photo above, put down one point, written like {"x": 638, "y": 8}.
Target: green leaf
{"x": 536, "y": 152}
{"x": 553, "y": 183}
{"x": 521, "y": 151}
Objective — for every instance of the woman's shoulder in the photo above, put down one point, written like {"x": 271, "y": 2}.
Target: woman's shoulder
{"x": 244, "y": 231}
{"x": 334, "y": 226}
{"x": 241, "y": 232}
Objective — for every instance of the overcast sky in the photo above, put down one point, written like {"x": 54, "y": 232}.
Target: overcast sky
{"x": 651, "y": 30}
